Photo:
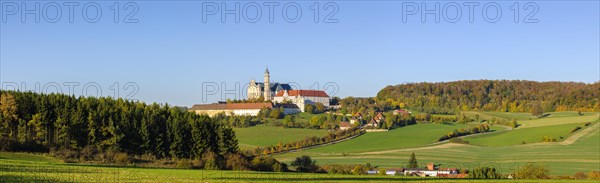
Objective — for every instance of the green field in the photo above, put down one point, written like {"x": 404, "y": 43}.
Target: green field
{"x": 581, "y": 156}
{"x": 394, "y": 139}
{"x": 502, "y": 149}
{"x": 578, "y": 152}
{"x": 527, "y": 135}
{"x": 35, "y": 168}
{"x": 260, "y": 136}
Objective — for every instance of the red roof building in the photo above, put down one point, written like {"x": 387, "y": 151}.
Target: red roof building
{"x": 305, "y": 93}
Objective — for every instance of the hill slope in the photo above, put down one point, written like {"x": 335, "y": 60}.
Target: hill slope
{"x": 502, "y": 95}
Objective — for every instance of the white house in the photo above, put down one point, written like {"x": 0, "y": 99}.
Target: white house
{"x": 238, "y": 109}
{"x": 302, "y": 97}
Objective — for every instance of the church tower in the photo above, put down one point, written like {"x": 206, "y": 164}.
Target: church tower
{"x": 267, "y": 88}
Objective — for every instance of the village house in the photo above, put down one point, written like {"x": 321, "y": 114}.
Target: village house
{"x": 377, "y": 119}
{"x": 357, "y": 118}
{"x": 401, "y": 112}
{"x": 345, "y": 126}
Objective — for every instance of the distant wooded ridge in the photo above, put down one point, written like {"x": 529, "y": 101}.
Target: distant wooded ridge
{"x": 493, "y": 95}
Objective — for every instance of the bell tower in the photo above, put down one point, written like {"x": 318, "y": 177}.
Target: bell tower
{"x": 267, "y": 89}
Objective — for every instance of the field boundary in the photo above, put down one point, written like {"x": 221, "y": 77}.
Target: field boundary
{"x": 321, "y": 145}
{"x": 574, "y": 137}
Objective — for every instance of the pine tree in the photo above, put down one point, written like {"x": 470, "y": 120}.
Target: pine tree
{"x": 412, "y": 163}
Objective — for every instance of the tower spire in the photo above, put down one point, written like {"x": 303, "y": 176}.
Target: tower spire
{"x": 267, "y": 90}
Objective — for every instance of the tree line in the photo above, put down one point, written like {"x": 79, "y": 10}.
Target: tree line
{"x": 492, "y": 95}
{"x": 307, "y": 142}
{"x": 39, "y": 122}
{"x": 480, "y": 128}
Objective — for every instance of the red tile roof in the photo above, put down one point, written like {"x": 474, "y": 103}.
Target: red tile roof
{"x": 379, "y": 116}
{"x": 249, "y": 105}
{"x": 306, "y": 93}
{"x": 344, "y": 124}
{"x": 402, "y": 111}
{"x": 231, "y": 106}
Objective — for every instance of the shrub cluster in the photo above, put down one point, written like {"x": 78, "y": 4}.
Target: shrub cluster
{"x": 480, "y": 128}
{"x": 307, "y": 142}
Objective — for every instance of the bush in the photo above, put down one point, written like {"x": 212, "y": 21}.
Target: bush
{"x": 87, "y": 153}
{"x": 121, "y": 158}
{"x": 532, "y": 171}
{"x": 484, "y": 173}
{"x": 275, "y": 114}
{"x": 580, "y": 176}
{"x": 548, "y": 139}
{"x": 265, "y": 163}
{"x": 197, "y": 163}
{"x": 338, "y": 169}
{"x": 305, "y": 164}
{"x": 280, "y": 167}
{"x": 148, "y": 157}
{"x": 310, "y": 108}
{"x": 576, "y": 129}
{"x": 105, "y": 156}
{"x": 382, "y": 172}
{"x": 594, "y": 175}
{"x": 67, "y": 155}
{"x": 237, "y": 162}
{"x": 184, "y": 164}
{"x": 212, "y": 161}
{"x": 360, "y": 170}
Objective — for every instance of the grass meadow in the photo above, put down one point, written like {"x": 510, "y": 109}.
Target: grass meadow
{"x": 17, "y": 167}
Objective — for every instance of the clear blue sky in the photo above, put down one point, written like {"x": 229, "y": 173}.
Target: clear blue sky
{"x": 170, "y": 52}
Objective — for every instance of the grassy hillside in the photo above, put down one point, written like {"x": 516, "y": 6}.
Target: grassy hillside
{"x": 527, "y": 135}
{"x": 406, "y": 137}
{"x": 559, "y": 119}
{"x": 580, "y": 154}
{"x": 259, "y": 136}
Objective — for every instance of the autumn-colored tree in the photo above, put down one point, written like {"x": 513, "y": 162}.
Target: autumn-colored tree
{"x": 8, "y": 116}
{"x": 537, "y": 110}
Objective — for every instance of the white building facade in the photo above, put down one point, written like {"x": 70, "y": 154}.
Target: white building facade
{"x": 267, "y": 89}
{"x": 302, "y": 97}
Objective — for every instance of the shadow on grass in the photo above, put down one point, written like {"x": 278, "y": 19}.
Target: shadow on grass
{"x": 21, "y": 178}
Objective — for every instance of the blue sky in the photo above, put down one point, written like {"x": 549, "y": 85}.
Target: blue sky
{"x": 170, "y": 52}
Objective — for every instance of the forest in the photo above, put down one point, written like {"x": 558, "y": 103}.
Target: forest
{"x": 39, "y": 122}
{"x": 491, "y": 95}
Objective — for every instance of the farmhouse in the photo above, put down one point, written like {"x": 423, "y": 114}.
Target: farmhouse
{"x": 302, "y": 97}
{"x": 431, "y": 171}
{"x": 238, "y": 109}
